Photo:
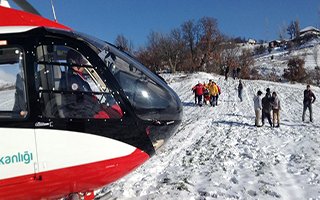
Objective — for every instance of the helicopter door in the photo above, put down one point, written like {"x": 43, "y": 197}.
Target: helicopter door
{"x": 71, "y": 94}
{"x": 17, "y": 145}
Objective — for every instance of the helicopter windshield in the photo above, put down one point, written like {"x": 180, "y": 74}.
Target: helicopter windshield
{"x": 150, "y": 96}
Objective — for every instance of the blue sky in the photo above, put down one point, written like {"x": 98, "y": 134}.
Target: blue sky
{"x": 135, "y": 19}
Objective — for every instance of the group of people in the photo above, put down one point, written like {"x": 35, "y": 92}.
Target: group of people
{"x": 265, "y": 106}
{"x": 209, "y": 93}
{"x": 271, "y": 104}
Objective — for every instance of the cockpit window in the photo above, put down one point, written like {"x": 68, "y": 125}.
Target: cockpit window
{"x": 70, "y": 87}
{"x": 150, "y": 96}
{"x": 13, "y": 101}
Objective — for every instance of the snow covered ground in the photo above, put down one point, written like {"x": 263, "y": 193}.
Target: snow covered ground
{"x": 217, "y": 153}
{"x": 310, "y": 52}
{"x": 7, "y": 99}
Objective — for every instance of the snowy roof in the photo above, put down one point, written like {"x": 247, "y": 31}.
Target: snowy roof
{"x": 309, "y": 28}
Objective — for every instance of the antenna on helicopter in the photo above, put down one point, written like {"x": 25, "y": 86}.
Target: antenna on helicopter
{"x": 53, "y": 11}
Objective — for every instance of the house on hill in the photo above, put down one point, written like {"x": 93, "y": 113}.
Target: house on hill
{"x": 309, "y": 32}
{"x": 275, "y": 43}
{"x": 252, "y": 41}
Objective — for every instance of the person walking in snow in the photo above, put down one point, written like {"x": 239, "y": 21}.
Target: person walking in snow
{"x": 226, "y": 73}
{"x": 308, "y": 99}
{"x": 238, "y": 72}
{"x": 275, "y": 109}
{"x": 257, "y": 101}
{"x": 240, "y": 89}
{"x": 266, "y": 109}
{"x": 198, "y": 91}
{"x": 214, "y": 91}
{"x": 234, "y": 73}
{"x": 219, "y": 92}
{"x": 206, "y": 94}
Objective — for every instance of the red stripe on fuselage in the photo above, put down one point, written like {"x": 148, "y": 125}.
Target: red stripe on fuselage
{"x": 61, "y": 182}
{"x": 13, "y": 17}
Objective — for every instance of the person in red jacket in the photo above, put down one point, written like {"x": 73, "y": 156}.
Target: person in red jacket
{"x": 198, "y": 92}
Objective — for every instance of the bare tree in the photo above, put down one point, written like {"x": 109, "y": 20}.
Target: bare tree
{"x": 175, "y": 50}
{"x": 316, "y": 51}
{"x": 230, "y": 55}
{"x": 123, "y": 43}
{"x": 294, "y": 29}
{"x": 282, "y": 31}
{"x": 297, "y": 28}
{"x": 245, "y": 62}
{"x": 151, "y": 54}
{"x": 209, "y": 39}
{"x": 190, "y": 33}
{"x": 316, "y": 73}
{"x": 291, "y": 30}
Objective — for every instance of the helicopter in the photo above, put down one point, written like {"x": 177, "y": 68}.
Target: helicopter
{"x": 76, "y": 113}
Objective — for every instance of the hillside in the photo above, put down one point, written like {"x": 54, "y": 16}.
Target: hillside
{"x": 217, "y": 153}
{"x": 277, "y": 60}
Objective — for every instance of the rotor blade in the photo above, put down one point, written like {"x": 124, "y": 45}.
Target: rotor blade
{"x": 24, "y": 5}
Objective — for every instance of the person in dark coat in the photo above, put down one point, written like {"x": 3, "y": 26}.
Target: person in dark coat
{"x": 20, "y": 105}
{"x": 268, "y": 93}
{"x": 266, "y": 109}
{"x": 240, "y": 89}
{"x": 308, "y": 99}
{"x": 226, "y": 73}
{"x": 234, "y": 73}
{"x": 78, "y": 101}
{"x": 238, "y": 72}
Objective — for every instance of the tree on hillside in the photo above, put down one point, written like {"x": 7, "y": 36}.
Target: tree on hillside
{"x": 282, "y": 32}
{"x": 230, "y": 55}
{"x": 297, "y": 28}
{"x": 150, "y": 55}
{"x": 295, "y": 70}
{"x": 245, "y": 62}
{"x": 171, "y": 49}
{"x": 192, "y": 47}
{"x": 177, "y": 49}
{"x": 190, "y": 34}
{"x": 209, "y": 39}
{"x": 294, "y": 29}
{"x": 316, "y": 71}
{"x": 316, "y": 52}
{"x": 123, "y": 43}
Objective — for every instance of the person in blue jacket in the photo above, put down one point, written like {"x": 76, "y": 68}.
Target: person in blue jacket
{"x": 78, "y": 101}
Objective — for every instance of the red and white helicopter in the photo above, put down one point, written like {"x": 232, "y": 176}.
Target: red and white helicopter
{"x": 76, "y": 113}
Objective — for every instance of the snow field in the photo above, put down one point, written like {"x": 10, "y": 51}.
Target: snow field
{"x": 217, "y": 153}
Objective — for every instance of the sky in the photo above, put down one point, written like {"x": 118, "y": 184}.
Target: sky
{"x": 136, "y": 19}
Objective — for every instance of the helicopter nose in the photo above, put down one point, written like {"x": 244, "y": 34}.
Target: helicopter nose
{"x": 165, "y": 117}
{"x": 157, "y": 105}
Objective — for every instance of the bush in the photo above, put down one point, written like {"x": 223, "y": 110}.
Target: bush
{"x": 261, "y": 49}
{"x": 295, "y": 70}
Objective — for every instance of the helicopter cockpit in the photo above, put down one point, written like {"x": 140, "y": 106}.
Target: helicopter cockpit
{"x": 151, "y": 98}
{"x": 102, "y": 83}
{"x": 71, "y": 89}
